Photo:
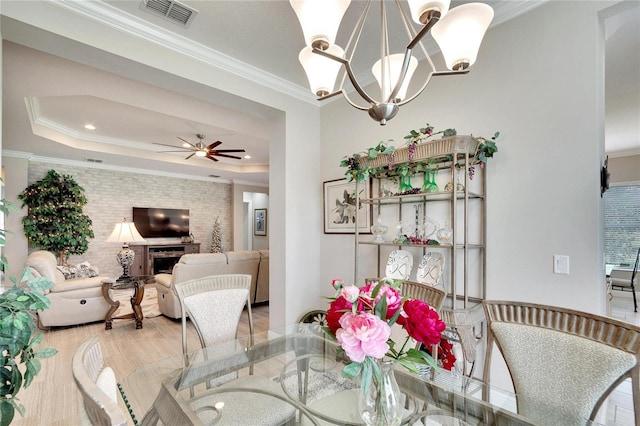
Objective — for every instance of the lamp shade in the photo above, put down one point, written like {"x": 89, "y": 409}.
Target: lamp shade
{"x": 319, "y": 19}
{"x": 419, "y": 7}
{"x": 460, "y": 33}
{"x": 125, "y": 232}
{"x": 321, "y": 71}
{"x": 392, "y": 72}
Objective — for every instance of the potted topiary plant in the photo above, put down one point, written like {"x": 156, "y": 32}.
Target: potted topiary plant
{"x": 55, "y": 220}
{"x": 19, "y": 352}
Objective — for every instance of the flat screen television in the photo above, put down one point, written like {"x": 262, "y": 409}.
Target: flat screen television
{"x": 161, "y": 223}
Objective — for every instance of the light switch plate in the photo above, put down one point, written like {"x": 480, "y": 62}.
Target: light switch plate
{"x": 560, "y": 264}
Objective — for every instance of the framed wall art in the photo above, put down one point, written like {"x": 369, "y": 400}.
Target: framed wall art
{"x": 340, "y": 207}
{"x": 260, "y": 222}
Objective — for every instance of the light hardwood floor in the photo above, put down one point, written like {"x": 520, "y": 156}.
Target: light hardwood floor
{"x": 53, "y": 399}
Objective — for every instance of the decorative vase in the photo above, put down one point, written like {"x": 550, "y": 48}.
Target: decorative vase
{"x": 427, "y": 181}
{"x": 445, "y": 234}
{"x": 434, "y": 185}
{"x": 380, "y": 403}
{"x": 405, "y": 184}
{"x": 430, "y": 184}
{"x": 379, "y": 230}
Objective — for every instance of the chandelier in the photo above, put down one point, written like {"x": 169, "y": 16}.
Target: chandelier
{"x": 458, "y": 32}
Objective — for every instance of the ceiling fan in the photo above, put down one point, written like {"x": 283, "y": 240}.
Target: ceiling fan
{"x": 199, "y": 149}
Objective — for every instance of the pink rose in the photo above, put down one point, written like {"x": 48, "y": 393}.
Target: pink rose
{"x": 337, "y": 283}
{"x": 337, "y": 309}
{"x": 422, "y": 322}
{"x": 363, "y": 335}
{"x": 394, "y": 300}
{"x": 350, "y": 292}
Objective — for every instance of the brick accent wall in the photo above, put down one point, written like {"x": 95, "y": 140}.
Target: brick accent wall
{"x": 112, "y": 194}
{"x": 622, "y": 224}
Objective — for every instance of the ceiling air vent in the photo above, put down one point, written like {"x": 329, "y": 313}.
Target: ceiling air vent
{"x": 93, "y": 160}
{"x": 173, "y": 11}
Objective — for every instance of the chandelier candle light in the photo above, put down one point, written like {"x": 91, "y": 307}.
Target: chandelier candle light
{"x": 458, "y": 32}
{"x": 125, "y": 233}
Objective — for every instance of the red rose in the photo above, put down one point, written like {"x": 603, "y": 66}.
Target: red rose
{"x": 422, "y": 322}
{"x": 337, "y": 308}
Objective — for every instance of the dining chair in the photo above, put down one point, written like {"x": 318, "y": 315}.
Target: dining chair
{"x": 563, "y": 363}
{"x": 97, "y": 385}
{"x": 214, "y": 305}
{"x": 624, "y": 279}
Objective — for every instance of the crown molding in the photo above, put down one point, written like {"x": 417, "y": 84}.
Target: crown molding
{"x": 129, "y": 24}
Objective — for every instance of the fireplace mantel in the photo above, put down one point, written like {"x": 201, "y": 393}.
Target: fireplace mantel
{"x": 151, "y": 259}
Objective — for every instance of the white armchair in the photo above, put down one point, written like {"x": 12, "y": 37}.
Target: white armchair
{"x": 73, "y": 301}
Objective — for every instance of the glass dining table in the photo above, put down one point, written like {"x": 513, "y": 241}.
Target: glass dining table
{"x": 296, "y": 374}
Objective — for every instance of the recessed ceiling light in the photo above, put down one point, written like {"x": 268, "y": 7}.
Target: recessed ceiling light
{"x": 89, "y": 127}
{"x": 247, "y": 156}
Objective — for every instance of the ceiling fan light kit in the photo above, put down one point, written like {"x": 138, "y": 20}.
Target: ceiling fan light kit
{"x": 458, "y": 32}
{"x": 200, "y": 149}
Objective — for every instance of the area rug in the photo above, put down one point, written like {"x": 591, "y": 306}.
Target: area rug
{"x": 149, "y": 301}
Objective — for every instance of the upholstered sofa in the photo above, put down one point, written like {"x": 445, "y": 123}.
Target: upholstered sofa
{"x": 73, "y": 301}
{"x": 198, "y": 265}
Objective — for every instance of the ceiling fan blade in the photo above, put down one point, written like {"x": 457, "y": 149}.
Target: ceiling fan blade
{"x": 168, "y": 151}
{"x": 213, "y": 145}
{"x": 191, "y": 155}
{"x": 225, "y": 155}
{"x": 186, "y": 141}
{"x": 212, "y": 158}
{"x": 228, "y": 150}
{"x": 172, "y": 146}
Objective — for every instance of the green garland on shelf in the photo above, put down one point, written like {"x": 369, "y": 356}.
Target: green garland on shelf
{"x": 355, "y": 171}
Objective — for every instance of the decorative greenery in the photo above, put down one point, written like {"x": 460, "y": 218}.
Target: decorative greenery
{"x": 357, "y": 171}
{"x": 55, "y": 221}
{"x": 20, "y": 358}
{"x": 216, "y": 237}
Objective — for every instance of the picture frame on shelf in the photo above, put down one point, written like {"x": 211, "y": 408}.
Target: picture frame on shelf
{"x": 339, "y": 207}
{"x": 260, "y": 222}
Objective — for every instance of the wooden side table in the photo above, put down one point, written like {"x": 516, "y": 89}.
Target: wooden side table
{"x": 135, "y": 283}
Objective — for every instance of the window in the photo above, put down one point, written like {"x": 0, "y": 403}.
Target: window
{"x": 622, "y": 224}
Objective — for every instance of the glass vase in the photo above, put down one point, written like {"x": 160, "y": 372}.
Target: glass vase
{"x": 405, "y": 184}
{"x": 434, "y": 186}
{"x": 380, "y": 403}
{"x": 427, "y": 182}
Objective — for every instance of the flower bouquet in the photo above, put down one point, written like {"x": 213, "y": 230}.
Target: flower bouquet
{"x": 361, "y": 320}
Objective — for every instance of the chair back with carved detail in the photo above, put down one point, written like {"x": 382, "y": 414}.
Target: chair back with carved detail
{"x": 563, "y": 363}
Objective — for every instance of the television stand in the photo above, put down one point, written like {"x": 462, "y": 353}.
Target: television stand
{"x": 152, "y": 259}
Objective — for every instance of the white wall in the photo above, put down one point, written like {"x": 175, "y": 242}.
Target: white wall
{"x": 259, "y": 201}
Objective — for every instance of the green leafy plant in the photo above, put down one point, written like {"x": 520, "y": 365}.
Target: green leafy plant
{"x": 20, "y": 357}
{"x": 357, "y": 170}
{"x": 55, "y": 220}
{"x": 19, "y": 341}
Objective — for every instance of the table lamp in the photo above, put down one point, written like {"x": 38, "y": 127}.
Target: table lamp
{"x": 125, "y": 233}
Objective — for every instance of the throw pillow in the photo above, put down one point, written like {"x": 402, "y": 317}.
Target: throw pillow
{"x": 81, "y": 270}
